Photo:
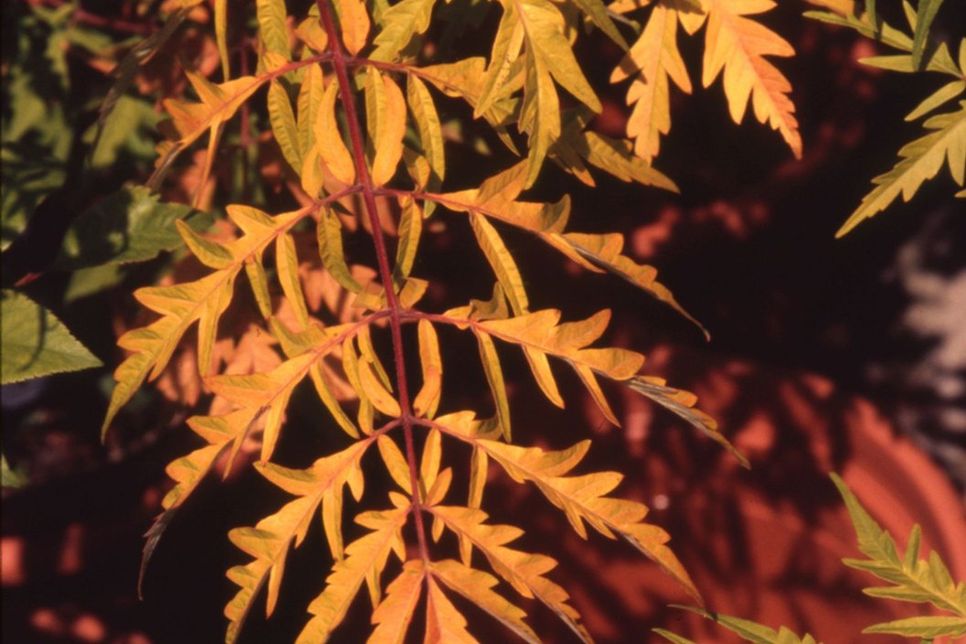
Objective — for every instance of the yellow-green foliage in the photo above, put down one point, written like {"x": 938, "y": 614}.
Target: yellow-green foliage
{"x": 945, "y": 142}
{"x": 911, "y": 579}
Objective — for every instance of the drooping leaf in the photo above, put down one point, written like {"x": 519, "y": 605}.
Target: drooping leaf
{"x": 35, "y": 343}
{"x": 919, "y": 161}
{"x": 750, "y": 631}
{"x": 496, "y": 199}
{"x": 683, "y": 403}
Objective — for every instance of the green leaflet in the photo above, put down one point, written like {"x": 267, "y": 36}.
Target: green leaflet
{"x": 919, "y": 161}
{"x": 747, "y": 630}
{"x": 925, "y": 13}
{"x": 36, "y": 343}
{"x": 131, "y": 225}
{"x": 910, "y": 577}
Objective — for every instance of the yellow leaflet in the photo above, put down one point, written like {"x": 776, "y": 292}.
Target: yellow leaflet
{"x": 476, "y": 586}
{"x": 271, "y": 26}
{"x": 920, "y": 160}
{"x": 738, "y": 45}
{"x": 395, "y": 462}
{"x": 423, "y": 109}
{"x": 541, "y": 330}
{"x": 656, "y": 58}
{"x": 268, "y": 542}
{"x": 603, "y": 253}
{"x": 295, "y": 344}
{"x": 496, "y": 199}
{"x": 494, "y": 377}
{"x": 615, "y": 156}
{"x": 182, "y": 305}
{"x": 329, "y": 237}
{"x": 221, "y": 36}
{"x": 427, "y": 400}
{"x": 386, "y": 116}
{"x": 501, "y": 261}
{"x": 328, "y": 139}
{"x": 683, "y": 404}
{"x": 287, "y": 263}
{"x": 582, "y": 498}
{"x": 284, "y": 128}
{"x": 311, "y": 32}
{"x": 429, "y": 464}
{"x": 267, "y": 393}
{"x": 410, "y": 230}
{"x": 309, "y": 99}
{"x": 368, "y": 352}
{"x": 189, "y": 120}
{"x": 364, "y": 557}
{"x": 354, "y": 21}
{"x": 524, "y": 571}
{"x": 393, "y": 615}
{"x": 375, "y": 391}
{"x": 444, "y": 622}
{"x": 400, "y": 24}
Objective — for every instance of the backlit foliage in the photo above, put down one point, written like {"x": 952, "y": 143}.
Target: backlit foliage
{"x": 911, "y": 579}
{"x": 945, "y": 141}
{"x": 354, "y": 96}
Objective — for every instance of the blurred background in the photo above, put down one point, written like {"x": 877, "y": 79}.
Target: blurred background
{"x": 826, "y": 355}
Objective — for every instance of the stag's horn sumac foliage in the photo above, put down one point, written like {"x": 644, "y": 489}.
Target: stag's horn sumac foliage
{"x": 352, "y": 102}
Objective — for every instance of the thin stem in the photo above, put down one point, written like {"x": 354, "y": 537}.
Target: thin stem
{"x": 382, "y": 256}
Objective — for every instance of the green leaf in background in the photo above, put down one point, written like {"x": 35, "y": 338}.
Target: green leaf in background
{"x": 35, "y": 343}
{"x": 132, "y": 225}
{"x": 9, "y": 477}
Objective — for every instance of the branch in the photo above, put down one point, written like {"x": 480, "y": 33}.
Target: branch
{"x": 385, "y": 273}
